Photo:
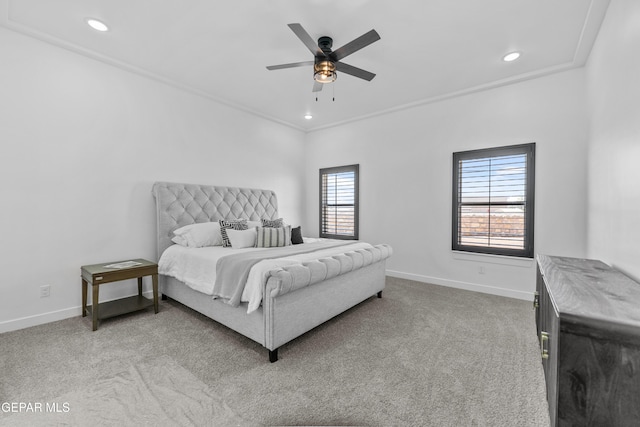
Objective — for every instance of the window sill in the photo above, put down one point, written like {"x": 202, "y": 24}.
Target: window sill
{"x": 494, "y": 259}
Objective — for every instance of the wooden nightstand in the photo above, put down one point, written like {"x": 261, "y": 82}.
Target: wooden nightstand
{"x": 99, "y": 274}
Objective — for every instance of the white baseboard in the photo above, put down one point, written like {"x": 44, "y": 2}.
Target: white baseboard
{"x": 39, "y": 319}
{"x": 510, "y": 293}
{"x": 52, "y": 316}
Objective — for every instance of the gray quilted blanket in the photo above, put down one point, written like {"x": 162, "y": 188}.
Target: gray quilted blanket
{"x": 232, "y": 270}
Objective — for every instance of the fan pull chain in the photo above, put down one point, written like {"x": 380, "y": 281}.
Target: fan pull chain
{"x": 333, "y": 90}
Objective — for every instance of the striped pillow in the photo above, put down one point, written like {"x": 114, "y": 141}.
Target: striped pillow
{"x": 270, "y": 237}
{"x": 236, "y": 224}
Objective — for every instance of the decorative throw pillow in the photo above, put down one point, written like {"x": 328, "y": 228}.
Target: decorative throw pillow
{"x": 234, "y": 224}
{"x": 274, "y": 223}
{"x": 270, "y": 237}
{"x": 296, "y": 235}
{"x": 242, "y": 238}
{"x": 198, "y": 235}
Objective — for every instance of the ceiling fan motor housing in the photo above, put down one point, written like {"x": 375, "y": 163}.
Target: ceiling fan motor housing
{"x": 325, "y": 43}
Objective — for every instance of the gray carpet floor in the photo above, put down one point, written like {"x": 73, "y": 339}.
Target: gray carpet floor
{"x": 422, "y": 355}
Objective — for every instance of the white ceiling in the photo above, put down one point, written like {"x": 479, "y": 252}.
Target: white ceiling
{"x": 429, "y": 49}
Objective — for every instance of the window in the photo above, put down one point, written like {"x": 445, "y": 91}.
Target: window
{"x": 493, "y": 195}
{"x": 339, "y": 202}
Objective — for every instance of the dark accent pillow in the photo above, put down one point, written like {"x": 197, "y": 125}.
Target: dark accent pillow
{"x": 296, "y": 235}
{"x": 273, "y": 223}
{"x": 235, "y": 224}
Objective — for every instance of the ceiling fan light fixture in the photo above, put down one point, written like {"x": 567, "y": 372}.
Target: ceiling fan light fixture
{"x": 324, "y": 72}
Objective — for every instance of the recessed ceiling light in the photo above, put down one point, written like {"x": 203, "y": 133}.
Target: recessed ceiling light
{"x": 511, "y": 56}
{"x": 97, "y": 25}
{"x": 308, "y": 116}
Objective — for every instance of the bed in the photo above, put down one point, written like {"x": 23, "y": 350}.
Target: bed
{"x": 295, "y": 296}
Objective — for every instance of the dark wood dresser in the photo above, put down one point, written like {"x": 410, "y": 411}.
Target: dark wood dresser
{"x": 588, "y": 323}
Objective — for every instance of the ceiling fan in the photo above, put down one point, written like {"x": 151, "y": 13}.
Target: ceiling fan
{"x": 326, "y": 61}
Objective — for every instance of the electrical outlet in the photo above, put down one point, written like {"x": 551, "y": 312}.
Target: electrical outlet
{"x": 45, "y": 290}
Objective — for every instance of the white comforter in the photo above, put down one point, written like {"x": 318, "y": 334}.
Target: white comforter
{"x": 196, "y": 267}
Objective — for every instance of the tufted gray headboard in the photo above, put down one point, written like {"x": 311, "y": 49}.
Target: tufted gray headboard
{"x": 178, "y": 205}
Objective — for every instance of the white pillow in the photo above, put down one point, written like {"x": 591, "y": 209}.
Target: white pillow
{"x": 198, "y": 235}
{"x": 254, "y": 224}
{"x": 242, "y": 238}
{"x": 179, "y": 240}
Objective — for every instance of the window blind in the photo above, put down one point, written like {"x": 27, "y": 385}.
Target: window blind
{"x": 339, "y": 202}
{"x": 493, "y": 200}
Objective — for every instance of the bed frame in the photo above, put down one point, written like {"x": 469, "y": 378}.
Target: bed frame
{"x": 296, "y": 299}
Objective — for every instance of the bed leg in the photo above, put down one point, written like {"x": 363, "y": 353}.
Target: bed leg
{"x": 273, "y": 355}
{"x": 380, "y": 294}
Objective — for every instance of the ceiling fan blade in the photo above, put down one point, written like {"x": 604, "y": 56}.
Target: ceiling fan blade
{"x": 306, "y": 39}
{"x": 354, "y": 71}
{"x": 355, "y": 45}
{"x": 317, "y": 86}
{"x": 291, "y": 65}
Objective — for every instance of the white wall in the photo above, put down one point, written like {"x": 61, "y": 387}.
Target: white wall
{"x": 613, "y": 84}
{"x": 81, "y": 144}
{"x": 405, "y": 177}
